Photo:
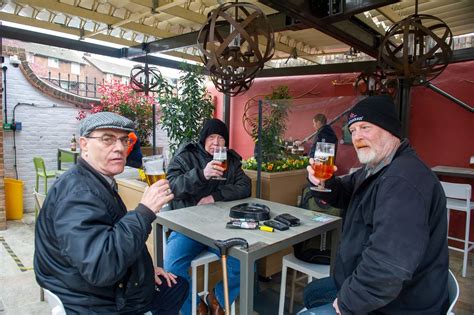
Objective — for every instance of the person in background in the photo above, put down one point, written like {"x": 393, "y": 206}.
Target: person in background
{"x": 324, "y": 133}
{"x": 393, "y": 254}
{"x": 191, "y": 173}
{"x": 89, "y": 250}
{"x": 134, "y": 152}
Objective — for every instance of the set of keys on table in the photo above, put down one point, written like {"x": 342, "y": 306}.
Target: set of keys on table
{"x": 281, "y": 222}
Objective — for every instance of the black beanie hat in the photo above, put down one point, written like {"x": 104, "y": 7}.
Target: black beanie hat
{"x": 214, "y": 126}
{"x": 378, "y": 110}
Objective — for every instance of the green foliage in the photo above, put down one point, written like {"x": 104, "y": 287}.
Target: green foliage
{"x": 285, "y": 164}
{"x": 274, "y": 124}
{"x": 184, "y": 108}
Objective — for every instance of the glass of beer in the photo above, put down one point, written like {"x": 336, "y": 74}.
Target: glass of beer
{"x": 220, "y": 155}
{"x": 323, "y": 165}
{"x": 154, "y": 167}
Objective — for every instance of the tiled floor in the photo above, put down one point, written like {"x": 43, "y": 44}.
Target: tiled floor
{"x": 19, "y": 293}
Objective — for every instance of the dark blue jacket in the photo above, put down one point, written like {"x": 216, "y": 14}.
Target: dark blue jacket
{"x": 393, "y": 255}
{"x": 89, "y": 250}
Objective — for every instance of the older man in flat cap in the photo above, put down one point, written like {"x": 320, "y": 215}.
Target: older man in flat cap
{"x": 393, "y": 255}
{"x": 89, "y": 250}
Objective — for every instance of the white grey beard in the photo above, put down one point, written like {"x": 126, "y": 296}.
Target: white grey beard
{"x": 366, "y": 157}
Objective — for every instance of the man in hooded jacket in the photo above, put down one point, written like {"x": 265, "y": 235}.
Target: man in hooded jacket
{"x": 192, "y": 175}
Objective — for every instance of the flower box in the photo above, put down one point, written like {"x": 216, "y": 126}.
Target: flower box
{"x": 282, "y": 187}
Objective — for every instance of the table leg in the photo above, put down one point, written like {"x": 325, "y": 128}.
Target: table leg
{"x": 59, "y": 160}
{"x": 158, "y": 244}
{"x": 335, "y": 236}
{"x": 246, "y": 286}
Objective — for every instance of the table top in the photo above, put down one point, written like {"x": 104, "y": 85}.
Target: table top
{"x": 68, "y": 150}
{"x": 453, "y": 171}
{"x": 206, "y": 223}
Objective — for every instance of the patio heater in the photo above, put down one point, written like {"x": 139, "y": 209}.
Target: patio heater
{"x": 147, "y": 79}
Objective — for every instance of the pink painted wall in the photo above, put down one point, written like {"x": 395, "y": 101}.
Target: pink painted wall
{"x": 440, "y": 131}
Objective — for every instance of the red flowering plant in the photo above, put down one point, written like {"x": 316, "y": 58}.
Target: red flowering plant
{"x": 122, "y": 99}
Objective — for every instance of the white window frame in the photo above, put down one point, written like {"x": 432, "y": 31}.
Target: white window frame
{"x": 53, "y": 62}
{"x": 75, "y": 68}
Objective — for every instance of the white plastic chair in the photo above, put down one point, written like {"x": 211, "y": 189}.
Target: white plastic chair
{"x": 458, "y": 197}
{"x": 453, "y": 292}
{"x": 311, "y": 270}
{"x": 203, "y": 259}
{"x": 39, "y": 199}
{"x": 57, "y": 307}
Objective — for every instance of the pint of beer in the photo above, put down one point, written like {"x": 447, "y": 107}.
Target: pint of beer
{"x": 323, "y": 165}
{"x": 154, "y": 167}
{"x": 220, "y": 155}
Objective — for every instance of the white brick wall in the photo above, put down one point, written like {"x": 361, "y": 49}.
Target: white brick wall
{"x": 47, "y": 126}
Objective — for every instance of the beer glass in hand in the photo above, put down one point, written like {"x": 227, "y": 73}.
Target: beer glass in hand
{"x": 323, "y": 165}
{"x": 154, "y": 167}
{"x": 220, "y": 155}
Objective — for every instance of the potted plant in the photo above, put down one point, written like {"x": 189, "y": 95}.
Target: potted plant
{"x": 184, "y": 107}
{"x": 273, "y": 124}
{"x": 122, "y": 99}
{"x": 283, "y": 176}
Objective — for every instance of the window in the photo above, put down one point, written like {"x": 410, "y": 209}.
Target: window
{"x": 75, "y": 68}
{"x": 124, "y": 80}
{"x": 109, "y": 77}
{"x": 53, "y": 62}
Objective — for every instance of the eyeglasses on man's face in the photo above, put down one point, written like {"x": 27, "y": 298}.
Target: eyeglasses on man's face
{"x": 109, "y": 140}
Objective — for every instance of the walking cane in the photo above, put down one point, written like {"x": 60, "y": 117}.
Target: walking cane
{"x": 223, "y": 246}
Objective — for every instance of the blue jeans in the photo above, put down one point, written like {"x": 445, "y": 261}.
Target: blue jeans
{"x": 181, "y": 250}
{"x": 318, "y": 297}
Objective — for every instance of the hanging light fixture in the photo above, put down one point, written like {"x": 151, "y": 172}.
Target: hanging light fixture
{"x": 234, "y": 58}
{"x": 147, "y": 79}
{"x": 423, "y": 54}
{"x": 376, "y": 83}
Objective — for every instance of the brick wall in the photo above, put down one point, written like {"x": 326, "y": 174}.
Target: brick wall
{"x": 46, "y": 126}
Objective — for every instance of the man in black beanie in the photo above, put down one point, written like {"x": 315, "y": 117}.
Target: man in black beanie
{"x": 393, "y": 254}
{"x": 191, "y": 174}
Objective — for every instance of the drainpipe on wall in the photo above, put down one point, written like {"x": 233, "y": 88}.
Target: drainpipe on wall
{"x": 4, "y": 69}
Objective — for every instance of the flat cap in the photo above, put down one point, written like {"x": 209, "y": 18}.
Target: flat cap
{"x": 105, "y": 120}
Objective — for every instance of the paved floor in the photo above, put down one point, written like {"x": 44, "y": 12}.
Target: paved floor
{"x": 19, "y": 293}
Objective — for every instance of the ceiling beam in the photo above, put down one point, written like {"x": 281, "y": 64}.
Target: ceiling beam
{"x": 86, "y": 14}
{"x": 341, "y": 26}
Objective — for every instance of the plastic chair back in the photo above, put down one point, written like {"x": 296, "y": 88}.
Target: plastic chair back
{"x": 39, "y": 166}
{"x": 57, "y": 307}
{"x": 453, "y": 292}
{"x": 39, "y": 199}
{"x": 457, "y": 191}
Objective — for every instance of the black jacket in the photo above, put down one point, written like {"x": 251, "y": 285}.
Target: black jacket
{"x": 393, "y": 255}
{"x": 325, "y": 133}
{"x": 89, "y": 250}
{"x": 186, "y": 177}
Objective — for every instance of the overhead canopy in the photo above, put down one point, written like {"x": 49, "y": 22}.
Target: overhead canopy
{"x": 306, "y": 35}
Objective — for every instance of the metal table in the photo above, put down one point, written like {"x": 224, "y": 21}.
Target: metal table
{"x": 453, "y": 171}
{"x": 64, "y": 153}
{"x": 206, "y": 223}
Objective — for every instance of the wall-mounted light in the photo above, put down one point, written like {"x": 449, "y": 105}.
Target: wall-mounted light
{"x": 14, "y": 61}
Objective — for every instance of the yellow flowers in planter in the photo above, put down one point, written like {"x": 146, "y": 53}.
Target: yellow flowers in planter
{"x": 283, "y": 165}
